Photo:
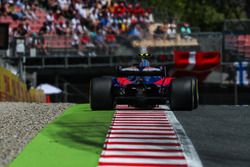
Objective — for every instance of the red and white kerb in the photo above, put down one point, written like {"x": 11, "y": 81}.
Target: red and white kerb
{"x": 143, "y": 139}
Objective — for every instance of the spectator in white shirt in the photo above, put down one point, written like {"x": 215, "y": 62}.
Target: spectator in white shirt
{"x": 50, "y": 17}
{"x": 63, "y": 4}
{"x": 26, "y": 27}
{"x": 74, "y": 21}
{"x": 171, "y": 31}
{"x": 83, "y": 12}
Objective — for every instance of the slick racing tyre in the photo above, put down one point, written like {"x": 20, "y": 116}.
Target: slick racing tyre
{"x": 101, "y": 94}
{"x": 183, "y": 94}
{"x": 196, "y": 93}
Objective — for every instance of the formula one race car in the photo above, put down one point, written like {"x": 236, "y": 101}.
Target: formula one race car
{"x": 143, "y": 86}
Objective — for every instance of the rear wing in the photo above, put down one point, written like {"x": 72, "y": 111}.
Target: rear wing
{"x": 120, "y": 72}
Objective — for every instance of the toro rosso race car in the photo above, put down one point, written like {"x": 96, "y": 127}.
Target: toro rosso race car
{"x": 143, "y": 86}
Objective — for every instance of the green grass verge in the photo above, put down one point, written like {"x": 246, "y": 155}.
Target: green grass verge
{"x": 73, "y": 139}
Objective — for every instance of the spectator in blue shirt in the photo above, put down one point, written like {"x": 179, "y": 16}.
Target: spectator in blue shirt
{"x": 185, "y": 31}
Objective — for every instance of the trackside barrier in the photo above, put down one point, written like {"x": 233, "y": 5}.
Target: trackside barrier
{"x": 13, "y": 89}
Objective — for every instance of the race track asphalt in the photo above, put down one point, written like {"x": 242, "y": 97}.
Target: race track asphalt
{"x": 220, "y": 134}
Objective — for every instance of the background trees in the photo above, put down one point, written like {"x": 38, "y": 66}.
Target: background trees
{"x": 206, "y": 14}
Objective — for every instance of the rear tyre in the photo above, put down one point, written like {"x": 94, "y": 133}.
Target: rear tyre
{"x": 182, "y": 94}
{"x": 196, "y": 93}
{"x": 101, "y": 94}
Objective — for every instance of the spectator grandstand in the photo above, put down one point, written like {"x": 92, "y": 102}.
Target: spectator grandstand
{"x": 87, "y": 25}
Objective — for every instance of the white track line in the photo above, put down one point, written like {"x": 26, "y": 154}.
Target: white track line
{"x": 188, "y": 148}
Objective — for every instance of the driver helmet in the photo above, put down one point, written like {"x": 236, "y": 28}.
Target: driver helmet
{"x": 144, "y": 61}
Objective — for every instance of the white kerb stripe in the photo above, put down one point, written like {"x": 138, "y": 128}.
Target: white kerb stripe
{"x": 138, "y": 116}
{"x": 144, "y": 136}
{"x": 143, "y": 161}
{"x": 142, "y": 140}
{"x": 130, "y": 146}
{"x": 141, "y": 124}
{"x": 143, "y": 131}
{"x": 142, "y": 127}
{"x": 139, "y": 119}
{"x": 144, "y": 153}
{"x": 140, "y": 112}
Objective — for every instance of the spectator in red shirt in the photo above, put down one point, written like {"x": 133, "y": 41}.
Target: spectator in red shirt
{"x": 130, "y": 9}
{"x": 57, "y": 15}
{"x": 122, "y": 8}
{"x": 85, "y": 39}
{"x": 139, "y": 10}
{"x": 110, "y": 39}
{"x": 116, "y": 7}
{"x": 134, "y": 19}
{"x": 60, "y": 27}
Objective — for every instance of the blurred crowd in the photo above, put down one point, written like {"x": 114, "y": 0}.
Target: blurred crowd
{"x": 95, "y": 22}
{"x": 169, "y": 30}
{"x": 91, "y": 23}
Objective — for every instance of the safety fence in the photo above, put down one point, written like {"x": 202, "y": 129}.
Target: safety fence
{"x": 55, "y": 45}
{"x": 13, "y": 89}
{"x": 236, "y": 40}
